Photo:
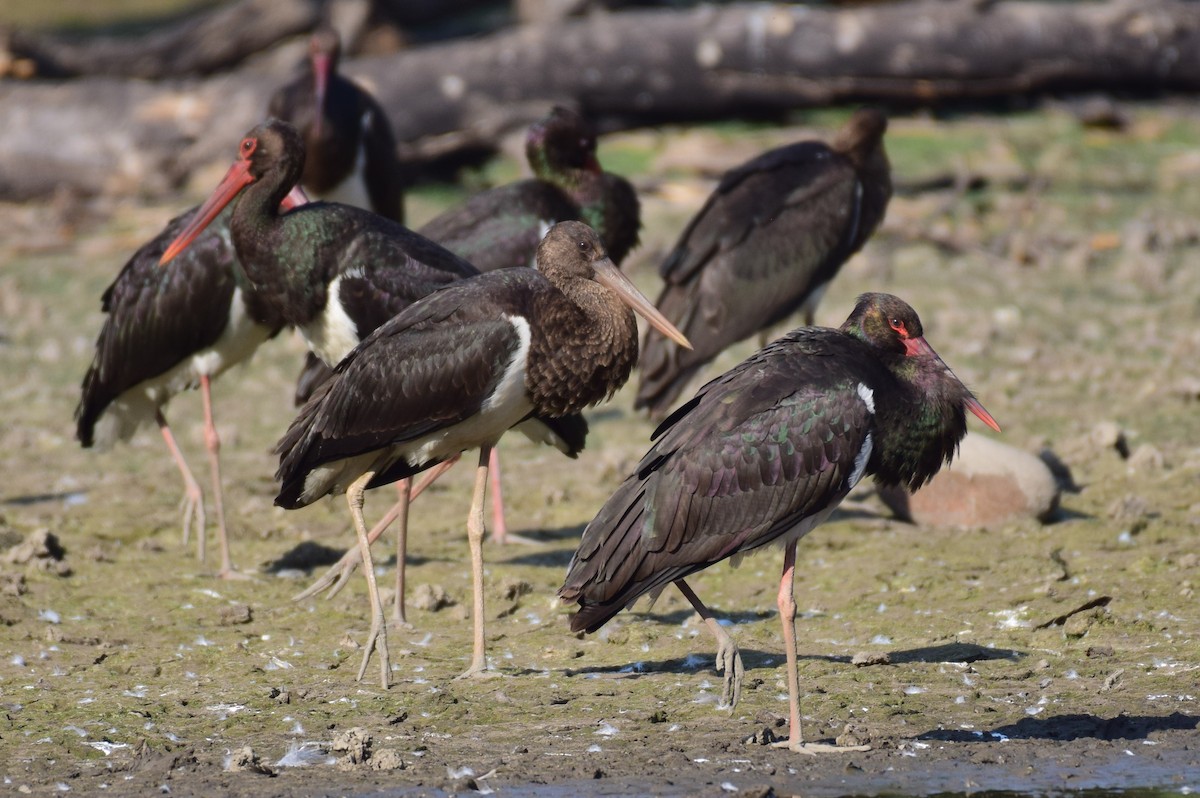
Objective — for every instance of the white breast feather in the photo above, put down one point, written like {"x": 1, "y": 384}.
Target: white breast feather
{"x": 333, "y": 333}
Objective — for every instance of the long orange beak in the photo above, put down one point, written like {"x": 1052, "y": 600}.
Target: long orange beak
{"x": 320, "y": 68}
{"x": 608, "y": 275}
{"x": 237, "y": 178}
{"x": 919, "y": 346}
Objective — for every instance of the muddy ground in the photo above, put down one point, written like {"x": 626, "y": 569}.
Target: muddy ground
{"x": 1060, "y": 283}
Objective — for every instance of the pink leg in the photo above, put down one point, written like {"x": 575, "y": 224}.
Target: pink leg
{"x": 729, "y": 659}
{"x": 404, "y": 489}
{"x": 787, "y": 616}
{"x": 499, "y": 528}
{"x": 212, "y": 442}
{"x": 786, "y": 601}
{"x": 193, "y": 496}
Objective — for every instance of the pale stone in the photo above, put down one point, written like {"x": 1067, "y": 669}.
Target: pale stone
{"x": 987, "y": 484}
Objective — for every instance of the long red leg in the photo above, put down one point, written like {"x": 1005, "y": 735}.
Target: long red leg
{"x": 404, "y": 488}
{"x": 786, "y": 601}
{"x": 499, "y": 527}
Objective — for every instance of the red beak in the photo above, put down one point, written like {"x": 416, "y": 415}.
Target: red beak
{"x": 919, "y": 346}
{"x": 294, "y": 199}
{"x": 320, "y": 67}
{"x": 237, "y": 178}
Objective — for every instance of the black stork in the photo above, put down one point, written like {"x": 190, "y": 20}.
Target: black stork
{"x": 455, "y": 371}
{"x": 351, "y": 151}
{"x": 503, "y": 226}
{"x": 170, "y": 331}
{"x": 334, "y": 272}
{"x": 765, "y": 245}
{"x": 763, "y": 454}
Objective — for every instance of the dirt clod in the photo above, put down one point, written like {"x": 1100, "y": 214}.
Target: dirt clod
{"x": 863, "y": 659}
{"x": 244, "y": 760}
{"x": 429, "y": 598}
{"x": 236, "y": 614}
{"x": 353, "y": 747}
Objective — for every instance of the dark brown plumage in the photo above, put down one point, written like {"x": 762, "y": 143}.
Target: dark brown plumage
{"x": 763, "y": 454}
{"x": 502, "y": 227}
{"x": 351, "y": 151}
{"x": 764, "y": 246}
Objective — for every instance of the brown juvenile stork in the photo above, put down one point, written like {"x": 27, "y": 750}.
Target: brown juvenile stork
{"x": 763, "y": 454}
{"x": 503, "y": 226}
{"x": 455, "y": 371}
{"x": 166, "y": 332}
{"x": 765, "y": 245}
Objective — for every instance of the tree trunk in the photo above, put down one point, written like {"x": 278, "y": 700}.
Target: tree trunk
{"x": 199, "y": 45}
{"x": 632, "y": 68}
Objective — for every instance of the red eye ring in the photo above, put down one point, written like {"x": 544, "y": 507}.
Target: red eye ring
{"x": 898, "y": 326}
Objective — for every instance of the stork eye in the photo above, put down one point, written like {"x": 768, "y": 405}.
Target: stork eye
{"x": 583, "y": 246}
{"x": 898, "y": 326}
{"x": 248, "y": 146}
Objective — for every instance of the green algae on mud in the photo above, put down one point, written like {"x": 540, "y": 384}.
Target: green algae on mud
{"x": 1064, "y": 304}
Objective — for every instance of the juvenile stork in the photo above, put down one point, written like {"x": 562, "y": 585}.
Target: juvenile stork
{"x": 455, "y": 371}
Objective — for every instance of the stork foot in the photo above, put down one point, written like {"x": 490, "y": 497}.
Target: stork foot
{"x": 333, "y": 579}
{"x": 505, "y": 538}
{"x": 729, "y": 662}
{"x": 377, "y": 639}
{"x": 812, "y": 749}
{"x": 191, "y": 507}
{"x": 478, "y": 673}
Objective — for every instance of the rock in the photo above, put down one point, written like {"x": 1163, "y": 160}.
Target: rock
{"x": 1130, "y": 508}
{"x": 989, "y": 483}
{"x": 38, "y": 545}
{"x": 429, "y": 598}
{"x": 1147, "y": 457}
{"x": 515, "y": 588}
